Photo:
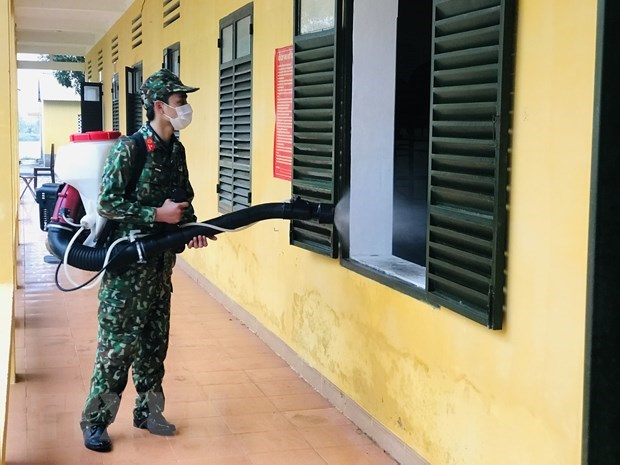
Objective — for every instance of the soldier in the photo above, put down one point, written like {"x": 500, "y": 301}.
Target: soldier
{"x": 134, "y": 305}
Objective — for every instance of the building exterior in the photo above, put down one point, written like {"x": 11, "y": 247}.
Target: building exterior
{"x": 60, "y": 109}
{"x": 455, "y": 336}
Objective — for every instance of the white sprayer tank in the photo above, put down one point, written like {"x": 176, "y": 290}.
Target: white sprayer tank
{"x": 80, "y": 164}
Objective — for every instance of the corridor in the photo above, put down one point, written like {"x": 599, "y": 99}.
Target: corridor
{"x": 234, "y": 401}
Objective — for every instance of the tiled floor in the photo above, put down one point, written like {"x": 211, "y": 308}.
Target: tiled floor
{"x": 233, "y": 400}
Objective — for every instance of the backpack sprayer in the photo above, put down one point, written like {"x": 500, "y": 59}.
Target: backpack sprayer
{"x": 74, "y": 206}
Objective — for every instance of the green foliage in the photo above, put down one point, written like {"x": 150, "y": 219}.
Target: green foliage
{"x": 71, "y": 79}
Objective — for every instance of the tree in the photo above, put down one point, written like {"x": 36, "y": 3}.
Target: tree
{"x": 71, "y": 79}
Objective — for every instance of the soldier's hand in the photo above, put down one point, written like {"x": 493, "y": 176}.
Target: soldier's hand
{"x": 199, "y": 241}
{"x": 170, "y": 212}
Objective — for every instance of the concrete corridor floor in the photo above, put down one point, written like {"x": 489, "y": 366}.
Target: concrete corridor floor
{"x": 234, "y": 401}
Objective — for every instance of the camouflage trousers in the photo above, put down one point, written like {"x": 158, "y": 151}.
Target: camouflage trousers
{"x": 134, "y": 324}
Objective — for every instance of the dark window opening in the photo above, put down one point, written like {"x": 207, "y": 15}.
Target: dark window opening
{"x": 411, "y": 130}
{"x": 172, "y": 59}
{"x": 133, "y": 99}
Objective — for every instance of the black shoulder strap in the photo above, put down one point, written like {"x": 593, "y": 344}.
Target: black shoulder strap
{"x": 140, "y": 162}
{"x": 111, "y": 225}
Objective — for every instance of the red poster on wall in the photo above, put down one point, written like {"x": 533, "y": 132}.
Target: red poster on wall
{"x": 283, "y": 137}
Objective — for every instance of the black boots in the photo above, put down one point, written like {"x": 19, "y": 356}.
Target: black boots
{"x": 155, "y": 423}
{"x": 96, "y": 438}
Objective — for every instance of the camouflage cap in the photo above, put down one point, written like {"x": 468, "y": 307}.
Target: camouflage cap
{"x": 160, "y": 84}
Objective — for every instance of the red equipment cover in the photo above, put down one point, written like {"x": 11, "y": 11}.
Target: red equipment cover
{"x": 70, "y": 201}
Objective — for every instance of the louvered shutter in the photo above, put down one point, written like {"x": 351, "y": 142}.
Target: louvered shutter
{"x": 138, "y": 112}
{"x": 470, "y": 118}
{"x": 235, "y": 135}
{"x": 314, "y": 115}
{"x": 115, "y": 103}
{"x": 134, "y": 101}
{"x": 115, "y": 116}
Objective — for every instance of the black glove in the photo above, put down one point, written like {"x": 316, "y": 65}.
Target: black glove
{"x": 178, "y": 195}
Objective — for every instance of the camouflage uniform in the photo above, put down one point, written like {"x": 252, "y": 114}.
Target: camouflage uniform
{"x": 134, "y": 304}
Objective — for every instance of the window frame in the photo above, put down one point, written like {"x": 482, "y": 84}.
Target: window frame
{"x": 169, "y": 53}
{"x": 231, "y": 20}
{"x": 493, "y": 318}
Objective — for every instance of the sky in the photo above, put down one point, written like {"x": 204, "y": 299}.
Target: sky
{"x": 28, "y": 83}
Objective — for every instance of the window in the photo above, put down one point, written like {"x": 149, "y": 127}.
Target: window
{"x": 115, "y": 103}
{"x": 133, "y": 98}
{"x": 235, "y": 127}
{"x": 172, "y": 62}
{"x": 315, "y": 139}
{"x": 426, "y": 161}
{"x": 316, "y": 15}
{"x": 172, "y": 59}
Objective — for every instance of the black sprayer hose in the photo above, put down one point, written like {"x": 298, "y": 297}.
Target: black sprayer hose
{"x": 92, "y": 259}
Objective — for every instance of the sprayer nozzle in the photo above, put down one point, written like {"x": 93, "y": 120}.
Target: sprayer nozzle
{"x": 301, "y": 209}
{"x": 324, "y": 212}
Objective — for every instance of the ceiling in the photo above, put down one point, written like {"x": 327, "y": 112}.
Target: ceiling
{"x": 64, "y": 27}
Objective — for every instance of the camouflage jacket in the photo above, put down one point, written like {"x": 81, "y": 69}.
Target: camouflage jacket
{"x": 165, "y": 169}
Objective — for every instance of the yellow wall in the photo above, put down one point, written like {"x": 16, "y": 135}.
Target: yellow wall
{"x": 60, "y": 120}
{"x": 453, "y": 390}
{"x": 8, "y": 203}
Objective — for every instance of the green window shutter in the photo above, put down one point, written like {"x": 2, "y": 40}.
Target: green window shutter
{"x": 470, "y": 120}
{"x": 115, "y": 103}
{"x": 133, "y": 99}
{"x": 235, "y": 136}
{"x": 314, "y": 111}
{"x": 115, "y": 116}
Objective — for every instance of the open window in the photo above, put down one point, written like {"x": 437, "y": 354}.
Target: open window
{"x": 428, "y": 163}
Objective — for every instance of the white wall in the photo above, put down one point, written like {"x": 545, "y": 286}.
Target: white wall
{"x": 372, "y": 127}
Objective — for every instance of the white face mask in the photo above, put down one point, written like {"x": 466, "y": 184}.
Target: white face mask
{"x": 184, "y": 116}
